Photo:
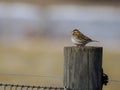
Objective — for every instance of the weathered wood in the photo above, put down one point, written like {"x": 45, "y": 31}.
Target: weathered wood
{"x": 82, "y": 68}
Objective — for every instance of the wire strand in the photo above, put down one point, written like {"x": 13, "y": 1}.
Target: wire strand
{"x": 28, "y": 86}
{"x": 46, "y": 76}
{"x": 30, "y": 75}
{"x": 118, "y": 81}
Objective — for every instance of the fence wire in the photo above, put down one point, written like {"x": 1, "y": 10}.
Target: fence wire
{"x": 27, "y": 87}
{"x": 30, "y": 75}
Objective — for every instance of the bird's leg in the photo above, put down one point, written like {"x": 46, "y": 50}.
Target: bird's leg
{"x": 79, "y": 45}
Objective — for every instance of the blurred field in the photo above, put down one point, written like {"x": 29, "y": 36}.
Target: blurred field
{"x": 34, "y": 33}
{"x": 32, "y": 57}
{"x": 45, "y": 57}
{"x": 111, "y": 64}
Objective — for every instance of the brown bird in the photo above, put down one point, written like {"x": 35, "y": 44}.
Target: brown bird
{"x": 80, "y": 39}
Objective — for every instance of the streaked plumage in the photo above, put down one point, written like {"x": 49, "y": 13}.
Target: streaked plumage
{"x": 80, "y": 39}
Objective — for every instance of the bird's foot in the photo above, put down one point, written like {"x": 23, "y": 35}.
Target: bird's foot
{"x": 79, "y": 45}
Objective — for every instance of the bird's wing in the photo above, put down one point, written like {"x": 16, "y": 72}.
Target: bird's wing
{"x": 84, "y": 38}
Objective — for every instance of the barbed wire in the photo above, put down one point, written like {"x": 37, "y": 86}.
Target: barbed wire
{"x": 27, "y": 86}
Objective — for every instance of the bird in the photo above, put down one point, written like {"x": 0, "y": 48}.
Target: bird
{"x": 79, "y": 39}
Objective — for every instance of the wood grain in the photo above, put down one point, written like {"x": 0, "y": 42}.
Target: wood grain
{"x": 82, "y": 68}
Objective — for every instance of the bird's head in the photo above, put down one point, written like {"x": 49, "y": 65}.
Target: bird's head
{"x": 75, "y": 32}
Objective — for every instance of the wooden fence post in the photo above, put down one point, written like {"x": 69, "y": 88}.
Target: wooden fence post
{"x": 83, "y": 68}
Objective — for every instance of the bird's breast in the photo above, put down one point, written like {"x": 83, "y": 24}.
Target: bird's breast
{"x": 75, "y": 41}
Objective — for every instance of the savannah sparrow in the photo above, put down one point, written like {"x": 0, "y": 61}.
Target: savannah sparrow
{"x": 80, "y": 39}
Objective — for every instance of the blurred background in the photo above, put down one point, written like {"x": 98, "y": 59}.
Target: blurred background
{"x": 33, "y": 34}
